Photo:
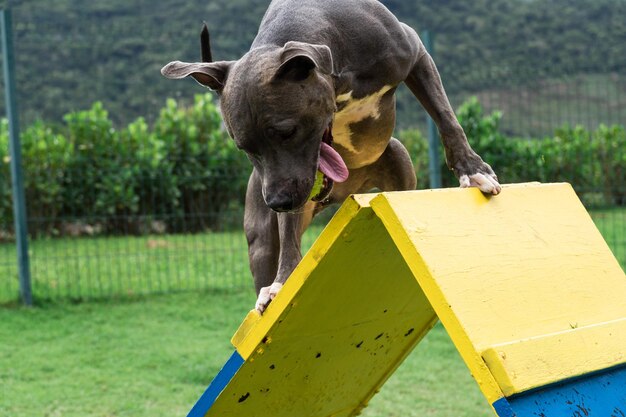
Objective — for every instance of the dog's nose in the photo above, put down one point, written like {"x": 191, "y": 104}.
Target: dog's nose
{"x": 280, "y": 202}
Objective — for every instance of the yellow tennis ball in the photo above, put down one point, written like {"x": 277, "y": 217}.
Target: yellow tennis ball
{"x": 318, "y": 185}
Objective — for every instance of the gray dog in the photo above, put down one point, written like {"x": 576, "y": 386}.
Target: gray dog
{"x": 316, "y": 93}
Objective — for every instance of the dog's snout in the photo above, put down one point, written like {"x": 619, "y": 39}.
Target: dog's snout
{"x": 287, "y": 194}
{"x": 280, "y": 202}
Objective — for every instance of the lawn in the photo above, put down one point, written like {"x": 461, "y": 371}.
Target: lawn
{"x": 137, "y": 355}
{"x": 612, "y": 225}
{"x": 105, "y": 267}
{"x": 156, "y": 355}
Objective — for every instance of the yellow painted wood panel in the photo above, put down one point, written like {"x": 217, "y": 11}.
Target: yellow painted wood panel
{"x": 523, "y": 282}
{"x": 344, "y": 321}
{"x": 254, "y": 328}
{"x": 531, "y": 363}
{"x": 526, "y": 263}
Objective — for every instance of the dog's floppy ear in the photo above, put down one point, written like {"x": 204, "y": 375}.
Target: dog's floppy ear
{"x": 209, "y": 74}
{"x": 298, "y": 59}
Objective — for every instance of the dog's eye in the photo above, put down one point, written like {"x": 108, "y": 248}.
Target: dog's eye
{"x": 248, "y": 147}
{"x": 281, "y": 132}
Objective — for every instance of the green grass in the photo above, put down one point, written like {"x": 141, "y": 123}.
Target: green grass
{"x": 612, "y": 225}
{"x": 105, "y": 267}
{"x": 155, "y": 356}
{"x": 137, "y": 356}
{"x": 102, "y": 267}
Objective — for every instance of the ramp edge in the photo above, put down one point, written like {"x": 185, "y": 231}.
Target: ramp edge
{"x": 221, "y": 380}
{"x": 599, "y": 394}
{"x": 526, "y": 364}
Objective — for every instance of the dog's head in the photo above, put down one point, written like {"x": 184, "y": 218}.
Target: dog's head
{"x": 277, "y": 104}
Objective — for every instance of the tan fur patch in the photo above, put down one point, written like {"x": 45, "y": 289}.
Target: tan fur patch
{"x": 356, "y": 110}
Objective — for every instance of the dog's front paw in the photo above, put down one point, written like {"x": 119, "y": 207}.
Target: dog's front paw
{"x": 472, "y": 171}
{"x": 487, "y": 183}
{"x": 266, "y": 295}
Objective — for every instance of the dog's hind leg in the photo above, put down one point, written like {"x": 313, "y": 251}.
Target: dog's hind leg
{"x": 394, "y": 169}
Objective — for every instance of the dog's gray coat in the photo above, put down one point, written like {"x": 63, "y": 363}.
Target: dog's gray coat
{"x": 316, "y": 64}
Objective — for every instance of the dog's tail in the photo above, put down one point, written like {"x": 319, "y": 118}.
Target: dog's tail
{"x": 205, "y": 44}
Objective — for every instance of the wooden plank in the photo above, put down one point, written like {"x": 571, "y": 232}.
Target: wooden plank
{"x": 344, "y": 321}
{"x": 527, "y": 364}
{"x": 523, "y": 282}
{"x": 255, "y": 327}
{"x": 600, "y": 394}
{"x": 526, "y": 263}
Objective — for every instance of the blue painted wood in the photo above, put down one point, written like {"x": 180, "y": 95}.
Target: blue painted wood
{"x": 601, "y": 394}
{"x": 503, "y": 408}
{"x": 217, "y": 386}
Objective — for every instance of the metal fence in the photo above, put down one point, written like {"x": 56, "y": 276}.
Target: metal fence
{"x": 183, "y": 242}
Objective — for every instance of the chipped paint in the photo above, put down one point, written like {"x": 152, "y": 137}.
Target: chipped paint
{"x": 595, "y": 395}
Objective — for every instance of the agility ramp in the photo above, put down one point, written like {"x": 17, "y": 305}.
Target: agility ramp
{"x": 524, "y": 284}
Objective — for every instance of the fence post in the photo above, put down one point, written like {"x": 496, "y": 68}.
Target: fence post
{"x": 17, "y": 182}
{"x": 434, "y": 170}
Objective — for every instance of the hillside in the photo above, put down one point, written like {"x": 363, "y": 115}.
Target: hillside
{"x": 71, "y": 53}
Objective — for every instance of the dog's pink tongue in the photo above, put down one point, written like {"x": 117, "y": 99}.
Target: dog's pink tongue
{"x": 331, "y": 164}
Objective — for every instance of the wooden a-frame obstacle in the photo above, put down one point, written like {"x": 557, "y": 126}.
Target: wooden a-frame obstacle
{"x": 524, "y": 284}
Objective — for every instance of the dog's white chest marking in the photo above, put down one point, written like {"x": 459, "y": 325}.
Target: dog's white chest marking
{"x": 355, "y": 110}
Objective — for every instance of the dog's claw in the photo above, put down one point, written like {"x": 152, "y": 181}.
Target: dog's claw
{"x": 487, "y": 183}
{"x": 266, "y": 295}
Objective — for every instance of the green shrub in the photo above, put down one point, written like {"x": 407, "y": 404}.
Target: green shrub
{"x": 611, "y": 150}
{"x": 155, "y": 186}
{"x": 571, "y": 156}
{"x": 185, "y": 174}
{"x": 211, "y": 173}
{"x": 417, "y": 146}
{"x": 45, "y": 158}
{"x": 484, "y": 136}
{"x": 113, "y": 175}
{"x": 593, "y": 162}
{"x": 101, "y": 178}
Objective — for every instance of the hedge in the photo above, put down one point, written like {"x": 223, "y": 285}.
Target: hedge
{"x": 184, "y": 173}
{"x": 594, "y": 162}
